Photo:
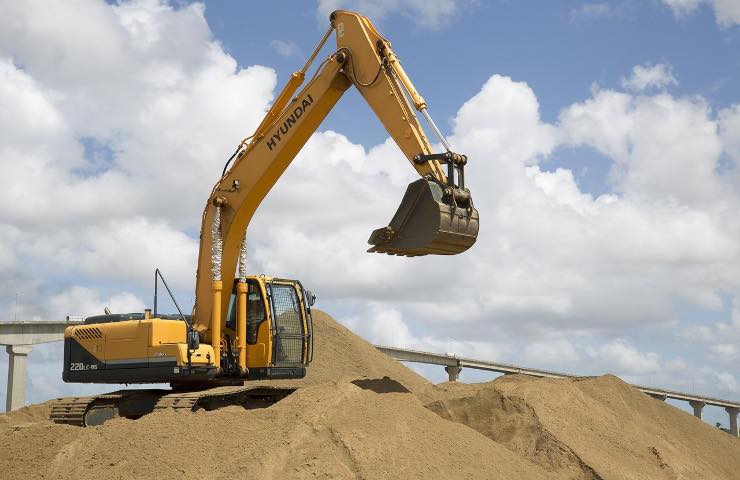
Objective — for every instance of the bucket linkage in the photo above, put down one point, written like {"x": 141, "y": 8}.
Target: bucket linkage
{"x": 434, "y": 218}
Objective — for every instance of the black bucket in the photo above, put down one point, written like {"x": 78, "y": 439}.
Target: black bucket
{"x": 428, "y": 223}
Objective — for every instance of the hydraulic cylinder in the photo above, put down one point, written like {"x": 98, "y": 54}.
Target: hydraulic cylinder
{"x": 217, "y": 286}
{"x": 241, "y": 324}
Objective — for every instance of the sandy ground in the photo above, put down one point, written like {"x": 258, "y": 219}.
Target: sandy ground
{"x": 362, "y": 415}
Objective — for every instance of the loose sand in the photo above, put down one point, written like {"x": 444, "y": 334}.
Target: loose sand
{"x": 360, "y": 414}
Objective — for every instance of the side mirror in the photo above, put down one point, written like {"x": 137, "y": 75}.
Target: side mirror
{"x": 310, "y": 297}
{"x": 193, "y": 340}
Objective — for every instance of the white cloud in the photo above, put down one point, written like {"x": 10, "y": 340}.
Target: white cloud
{"x": 727, "y": 12}
{"x": 388, "y": 328}
{"x": 125, "y": 250}
{"x": 664, "y": 147}
{"x": 431, "y": 14}
{"x": 722, "y": 337}
{"x": 729, "y": 128}
{"x": 682, "y": 7}
{"x": 726, "y": 350}
{"x": 157, "y": 93}
{"x": 85, "y": 301}
{"x": 590, "y": 11}
{"x": 626, "y": 358}
{"x": 168, "y": 104}
{"x": 286, "y": 49}
{"x": 556, "y": 351}
{"x": 645, "y": 77}
{"x": 169, "y": 96}
{"x": 502, "y": 123}
{"x": 650, "y": 368}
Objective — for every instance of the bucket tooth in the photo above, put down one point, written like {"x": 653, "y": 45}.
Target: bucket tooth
{"x": 427, "y": 224}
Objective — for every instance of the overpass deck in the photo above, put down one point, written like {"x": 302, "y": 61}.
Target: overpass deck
{"x": 453, "y": 364}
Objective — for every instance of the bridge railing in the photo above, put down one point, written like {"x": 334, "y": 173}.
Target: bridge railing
{"x": 454, "y": 364}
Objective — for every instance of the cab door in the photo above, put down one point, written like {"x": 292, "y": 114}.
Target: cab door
{"x": 290, "y": 335}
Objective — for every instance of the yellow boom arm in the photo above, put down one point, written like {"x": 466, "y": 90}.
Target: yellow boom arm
{"x": 436, "y": 215}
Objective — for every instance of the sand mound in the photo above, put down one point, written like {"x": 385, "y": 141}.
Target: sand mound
{"x": 333, "y": 431}
{"x": 340, "y": 353}
{"x": 360, "y": 414}
{"x": 587, "y": 428}
{"x": 510, "y": 422}
{"x": 31, "y": 413}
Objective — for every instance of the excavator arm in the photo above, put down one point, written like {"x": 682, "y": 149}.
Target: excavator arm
{"x": 436, "y": 215}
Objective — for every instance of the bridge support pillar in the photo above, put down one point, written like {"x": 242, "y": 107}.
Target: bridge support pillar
{"x": 698, "y": 407}
{"x": 733, "y": 411}
{"x": 453, "y": 372}
{"x": 16, "y": 392}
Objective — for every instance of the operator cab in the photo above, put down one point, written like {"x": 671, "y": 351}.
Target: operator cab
{"x": 279, "y": 328}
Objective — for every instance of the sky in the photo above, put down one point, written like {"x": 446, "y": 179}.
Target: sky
{"x": 604, "y": 147}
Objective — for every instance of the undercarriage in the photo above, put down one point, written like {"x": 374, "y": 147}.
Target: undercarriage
{"x": 134, "y": 404}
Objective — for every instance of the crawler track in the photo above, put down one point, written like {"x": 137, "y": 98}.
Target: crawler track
{"x": 133, "y": 404}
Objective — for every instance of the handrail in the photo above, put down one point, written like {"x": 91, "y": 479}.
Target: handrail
{"x": 158, "y": 274}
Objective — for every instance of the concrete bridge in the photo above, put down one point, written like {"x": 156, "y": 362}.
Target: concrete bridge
{"x": 453, "y": 365}
{"x": 20, "y": 337}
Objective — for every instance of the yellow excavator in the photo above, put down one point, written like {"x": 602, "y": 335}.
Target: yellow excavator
{"x": 260, "y": 329}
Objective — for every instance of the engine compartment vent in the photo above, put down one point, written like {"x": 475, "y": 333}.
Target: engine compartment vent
{"x": 89, "y": 333}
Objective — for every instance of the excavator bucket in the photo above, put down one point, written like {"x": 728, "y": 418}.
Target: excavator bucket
{"x": 426, "y": 224}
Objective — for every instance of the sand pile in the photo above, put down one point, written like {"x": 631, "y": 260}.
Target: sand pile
{"x": 340, "y": 353}
{"x": 511, "y": 422}
{"x": 335, "y": 430}
{"x": 598, "y": 428}
{"x": 348, "y": 421}
{"x": 622, "y": 433}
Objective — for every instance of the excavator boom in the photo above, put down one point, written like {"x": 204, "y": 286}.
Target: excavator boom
{"x": 436, "y": 215}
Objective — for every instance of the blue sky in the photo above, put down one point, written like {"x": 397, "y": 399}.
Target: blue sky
{"x": 604, "y": 140}
{"x": 559, "y": 49}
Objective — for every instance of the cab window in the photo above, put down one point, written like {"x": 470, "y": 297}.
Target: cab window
{"x": 231, "y": 320}
{"x": 255, "y": 311}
